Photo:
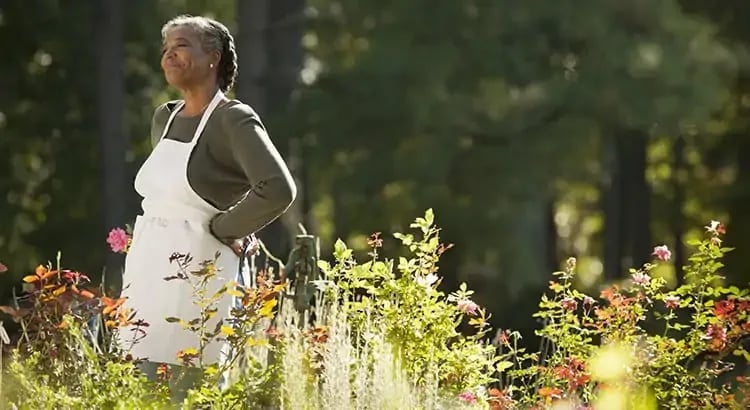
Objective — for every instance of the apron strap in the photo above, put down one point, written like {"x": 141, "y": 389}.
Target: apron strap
{"x": 206, "y": 114}
{"x": 176, "y": 110}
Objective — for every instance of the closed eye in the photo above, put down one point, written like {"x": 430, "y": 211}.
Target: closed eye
{"x": 164, "y": 49}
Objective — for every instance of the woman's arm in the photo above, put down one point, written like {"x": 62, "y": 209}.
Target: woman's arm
{"x": 158, "y": 122}
{"x": 272, "y": 189}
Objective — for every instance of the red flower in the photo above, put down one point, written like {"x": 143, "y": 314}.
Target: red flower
{"x": 569, "y": 304}
{"x": 499, "y": 399}
{"x": 744, "y": 306}
{"x": 573, "y": 372}
{"x": 724, "y": 308}
{"x": 502, "y": 339}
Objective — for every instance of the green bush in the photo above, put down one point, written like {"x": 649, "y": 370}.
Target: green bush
{"x": 385, "y": 336}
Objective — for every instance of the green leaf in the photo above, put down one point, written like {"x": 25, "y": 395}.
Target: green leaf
{"x": 340, "y": 251}
{"x": 429, "y": 217}
{"x": 172, "y": 319}
{"x": 406, "y": 239}
{"x": 324, "y": 266}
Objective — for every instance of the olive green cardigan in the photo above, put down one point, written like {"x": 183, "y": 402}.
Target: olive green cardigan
{"x": 234, "y": 166}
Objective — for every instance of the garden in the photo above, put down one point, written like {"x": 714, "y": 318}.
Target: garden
{"x": 383, "y": 333}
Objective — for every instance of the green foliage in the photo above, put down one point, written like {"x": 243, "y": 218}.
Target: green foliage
{"x": 483, "y": 110}
{"x": 385, "y": 335}
{"x": 80, "y": 377}
{"x": 420, "y": 321}
{"x": 590, "y": 343}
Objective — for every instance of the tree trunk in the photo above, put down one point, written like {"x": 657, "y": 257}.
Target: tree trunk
{"x": 612, "y": 207}
{"x": 285, "y": 57}
{"x": 636, "y": 199}
{"x": 678, "y": 217}
{"x": 113, "y": 140}
{"x": 738, "y": 224}
{"x": 285, "y": 54}
{"x": 553, "y": 261}
{"x": 252, "y": 82}
{"x": 627, "y": 204}
{"x": 251, "y": 53}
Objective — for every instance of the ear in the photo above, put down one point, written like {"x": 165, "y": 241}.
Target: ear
{"x": 214, "y": 58}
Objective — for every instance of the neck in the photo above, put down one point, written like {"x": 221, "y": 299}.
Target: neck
{"x": 197, "y": 98}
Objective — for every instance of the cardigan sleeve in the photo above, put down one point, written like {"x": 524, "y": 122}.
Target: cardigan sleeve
{"x": 271, "y": 186}
{"x": 158, "y": 122}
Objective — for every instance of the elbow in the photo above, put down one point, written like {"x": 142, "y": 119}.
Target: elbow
{"x": 289, "y": 193}
{"x": 282, "y": 195}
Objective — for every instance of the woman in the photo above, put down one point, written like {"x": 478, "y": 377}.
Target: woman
{"x": 212, "y": 179}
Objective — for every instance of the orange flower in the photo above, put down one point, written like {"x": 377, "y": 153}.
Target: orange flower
{"x": 499, "y": 399}
{"x": 111, "y": 305}
{"x": 550, "y": 392}
{"x": 40, "y": 274}
{"x": 162, "y": 371}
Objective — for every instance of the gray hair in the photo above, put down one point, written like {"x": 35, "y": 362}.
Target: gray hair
{"x": 214, "y": 36}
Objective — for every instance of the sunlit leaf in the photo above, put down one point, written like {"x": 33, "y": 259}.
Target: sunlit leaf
{"x": 267, "y": 308}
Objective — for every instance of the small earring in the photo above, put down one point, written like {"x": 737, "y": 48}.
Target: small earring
{"x": 211, "y": 65}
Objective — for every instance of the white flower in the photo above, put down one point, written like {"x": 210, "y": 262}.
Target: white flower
{"x": 715, "y": 228}
{"x": 428, "y": 280}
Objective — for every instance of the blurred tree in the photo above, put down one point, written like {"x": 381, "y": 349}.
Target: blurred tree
{"x": 270, "y": 57}
{"x": 49, "y": 174}
{"x": 497, "y": 114}
{"x": 479, "y": 109}
{"x": 113, "y": 140}
{"x": 728, "y": 149}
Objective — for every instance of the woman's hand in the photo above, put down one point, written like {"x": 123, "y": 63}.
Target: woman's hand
{"x": 252, "y": 245}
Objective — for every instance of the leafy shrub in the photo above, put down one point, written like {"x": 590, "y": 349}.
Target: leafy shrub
{"x": 383, "y": 335}
{"x": 600, "y": 350}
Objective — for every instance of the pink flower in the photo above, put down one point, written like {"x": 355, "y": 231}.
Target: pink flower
{"x": 672, "y": 302}
{"x": 502, "y": 338}
{"x": 3, "y": 268}
{"x": 118, "y": 240}
{"x": 588, "y": 301}
{"x": 640, "y": 278}
{"x": 467, "y": 306}
{"x": 717, "y": 335}
{"x": 569, "y": 304}
{"x": 468, "y": 397}
{"x": 662, "y": 253}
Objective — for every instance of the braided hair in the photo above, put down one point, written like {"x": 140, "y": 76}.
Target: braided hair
{"x": 214, "y": 36}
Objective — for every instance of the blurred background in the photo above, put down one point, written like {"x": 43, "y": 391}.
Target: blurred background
{"x": 536, "y": 129}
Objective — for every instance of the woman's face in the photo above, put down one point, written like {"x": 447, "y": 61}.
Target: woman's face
{"x": 184, "y": 61}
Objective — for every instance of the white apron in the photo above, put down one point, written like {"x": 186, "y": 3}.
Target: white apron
{"x": 175, "y": 219}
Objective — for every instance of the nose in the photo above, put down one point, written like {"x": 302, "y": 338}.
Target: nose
{"x": 169, "y": 53}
